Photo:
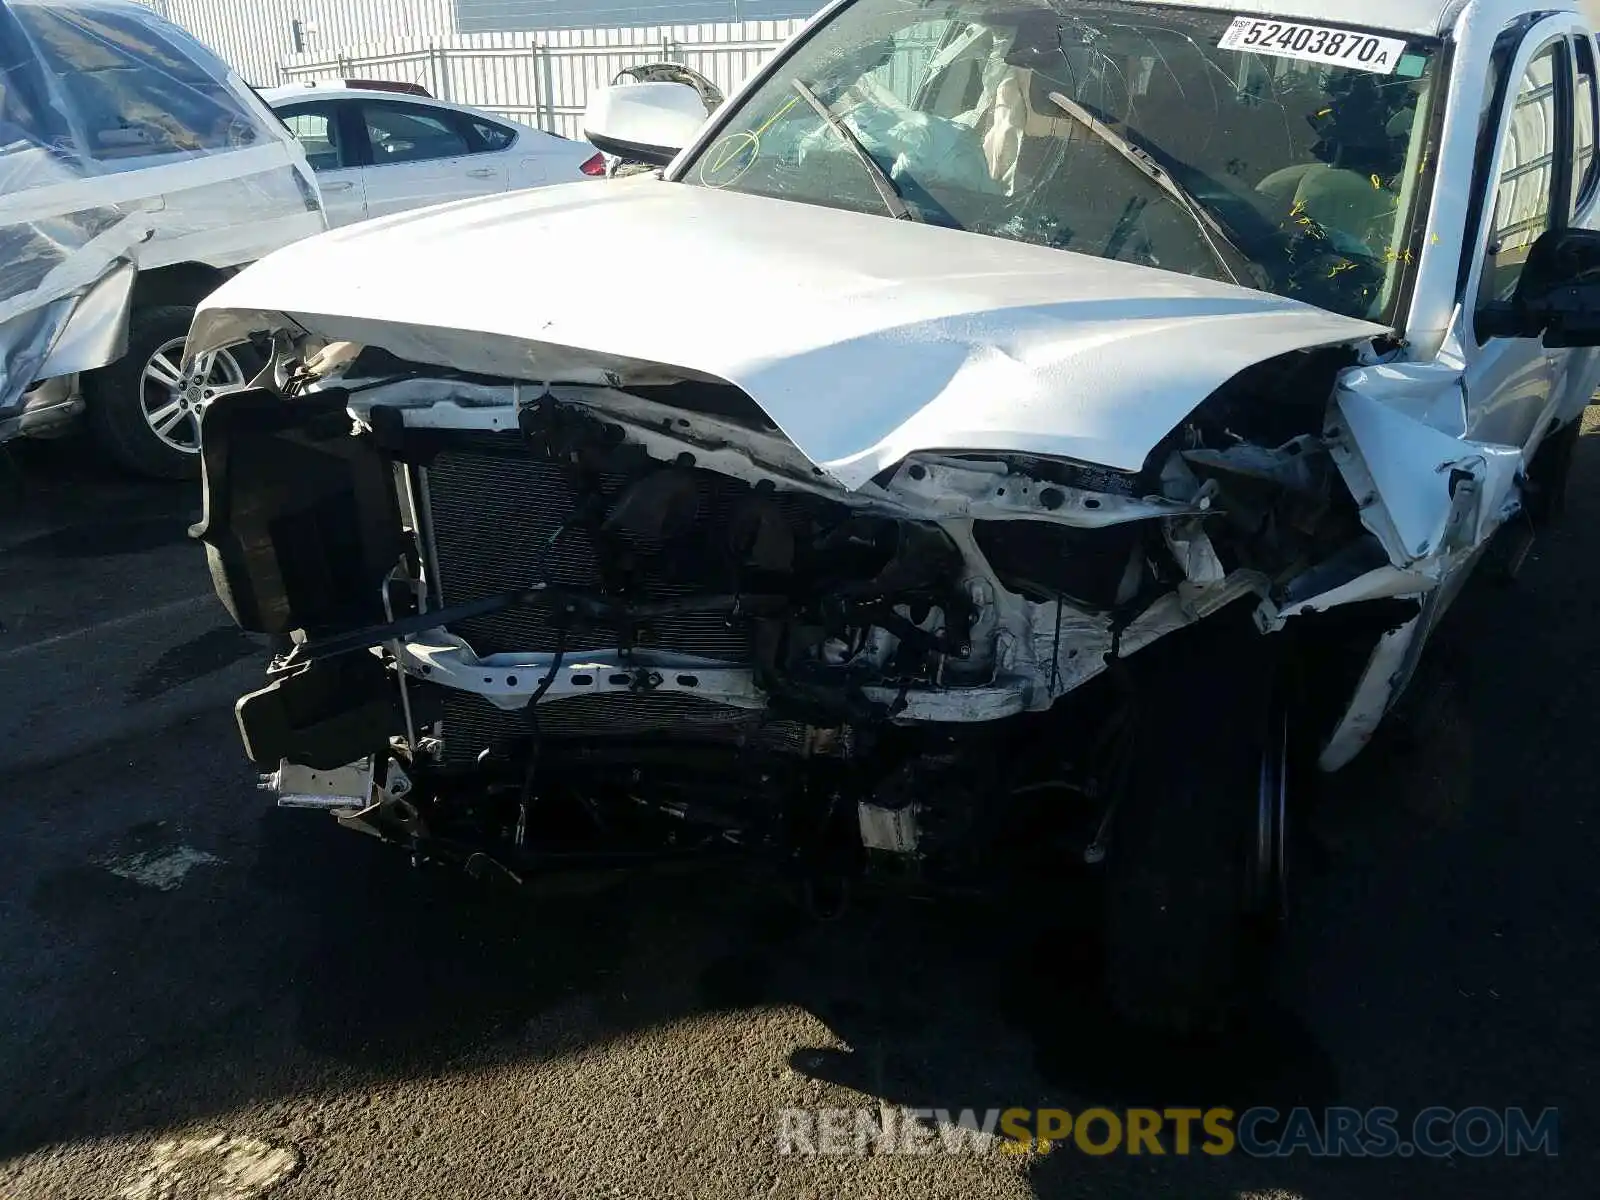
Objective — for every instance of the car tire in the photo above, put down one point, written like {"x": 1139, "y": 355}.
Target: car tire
{"x": 1195, "y": 880}
{"x": 123, "y": 398}
{"x": 1548, "y": 475}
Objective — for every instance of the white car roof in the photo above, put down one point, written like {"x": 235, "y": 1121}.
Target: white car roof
{"x": 289, "y": 93}
{"x": 1427, "y": 18}
{"x": 283, "y": 97}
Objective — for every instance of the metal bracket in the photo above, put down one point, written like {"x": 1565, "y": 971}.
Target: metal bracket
{"x": 349, "y": 786}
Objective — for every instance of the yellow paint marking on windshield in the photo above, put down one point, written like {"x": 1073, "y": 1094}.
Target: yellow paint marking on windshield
{"x": 728, "y": 156}
{"x": 737, "y": 143}
{"x": 767, "y": 124}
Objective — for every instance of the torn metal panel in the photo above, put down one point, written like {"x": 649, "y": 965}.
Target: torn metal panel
{"x": 1408, "y": 478}
{"x": 25, "y": 342}
{"x": 1193, "y": 552}
{"x": 1382, "y": 583}
{"x": 1431, "y": 393}
{"x": 1174, "y": 611}
{"x": 97, "y": 331}
{"x": 56, "y": 275}
{"x": 1385, "y": 676}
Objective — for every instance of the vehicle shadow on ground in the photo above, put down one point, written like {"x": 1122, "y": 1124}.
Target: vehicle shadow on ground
{"x": 71, "y": 481}
{"x": 330, "y": 965}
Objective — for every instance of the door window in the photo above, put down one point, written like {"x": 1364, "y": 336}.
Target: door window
{"x": 405, "y": 133}
{"x": 1583, "y": 123}
{"x": 491, "y": 137}
{"x": 1532, "y": 174}
{"x": 316, "y": 127}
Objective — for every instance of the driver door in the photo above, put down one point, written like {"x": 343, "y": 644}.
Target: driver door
{"x": 421, "y": 155}
{"x": 1508, "y": 383}
{"x": 1575, "y": 370}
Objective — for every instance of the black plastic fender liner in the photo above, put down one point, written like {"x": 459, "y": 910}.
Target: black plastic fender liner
{"x": 301, "y": 522}
{"x": 321, "y": 714}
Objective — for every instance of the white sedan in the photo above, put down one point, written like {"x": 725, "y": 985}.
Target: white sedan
{"x": 378, "y": 152}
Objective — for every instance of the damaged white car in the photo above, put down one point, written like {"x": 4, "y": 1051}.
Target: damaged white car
{"x": 1005, "y": 341}
{"x": 137, "y": 172}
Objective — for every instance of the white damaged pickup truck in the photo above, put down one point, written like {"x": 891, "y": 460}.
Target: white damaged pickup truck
{"x": 1010, "y": 438}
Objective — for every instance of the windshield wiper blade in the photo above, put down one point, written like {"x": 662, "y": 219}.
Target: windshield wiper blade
{"x": 1210, "y": 229}
{"x": 892, "y": 200}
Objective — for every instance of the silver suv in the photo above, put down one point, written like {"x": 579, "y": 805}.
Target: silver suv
{"x": 137, "y": 172}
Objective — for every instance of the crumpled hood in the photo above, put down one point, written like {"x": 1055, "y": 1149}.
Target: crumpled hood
{"x": 863, "y": 338}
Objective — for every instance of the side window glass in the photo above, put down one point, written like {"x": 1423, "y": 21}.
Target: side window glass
{"x": 138, "y": 90}
{"x": 402, "y": 133}
{"x": 1584, "y": 122}
{"x": 317, "y": 130}
{"x": 492, "y": 137}
{"x": 1526, "y": 190}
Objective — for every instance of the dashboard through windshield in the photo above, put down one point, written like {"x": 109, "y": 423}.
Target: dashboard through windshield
{"x": 1284, "y": 156}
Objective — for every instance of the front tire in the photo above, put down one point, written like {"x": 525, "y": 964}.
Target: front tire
{"x": 1196, "y": 873}
{"x": 142, "y": 410}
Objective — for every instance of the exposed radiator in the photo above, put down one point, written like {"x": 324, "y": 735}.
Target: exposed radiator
{"x": 495, "y": 508}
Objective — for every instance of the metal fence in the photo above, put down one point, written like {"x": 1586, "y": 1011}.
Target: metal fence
{"x": 544, "y": 78}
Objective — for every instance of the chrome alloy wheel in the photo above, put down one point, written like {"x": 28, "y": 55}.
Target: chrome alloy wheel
{"x": 174, "y": 401}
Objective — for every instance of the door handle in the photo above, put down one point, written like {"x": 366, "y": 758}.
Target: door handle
{"x": 338, "y": 187}
{"x": 482, "y": 173}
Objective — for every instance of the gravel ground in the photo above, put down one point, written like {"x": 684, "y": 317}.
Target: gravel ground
{"x": 204, "y": 997}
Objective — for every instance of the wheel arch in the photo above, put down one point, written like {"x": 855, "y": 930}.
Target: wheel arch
{"x": 185, "y": 283}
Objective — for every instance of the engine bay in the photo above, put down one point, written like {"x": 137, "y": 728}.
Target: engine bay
{"x": 586, "y": 621}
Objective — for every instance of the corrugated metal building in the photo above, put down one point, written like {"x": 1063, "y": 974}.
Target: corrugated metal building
{"x": 256, "y": 36}
{"x": 262, "y": 37}
{"x": 495, "y": 16}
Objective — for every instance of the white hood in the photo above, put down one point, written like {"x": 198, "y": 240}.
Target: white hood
{"x": 863, "y": 338}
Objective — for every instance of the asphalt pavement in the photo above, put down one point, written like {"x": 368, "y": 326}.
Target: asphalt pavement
{"x": 201, "y": 996}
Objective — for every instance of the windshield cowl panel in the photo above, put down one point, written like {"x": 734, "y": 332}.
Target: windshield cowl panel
{"x": 1287, "y": 156}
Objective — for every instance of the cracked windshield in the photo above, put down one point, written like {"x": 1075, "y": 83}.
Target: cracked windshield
{"x": 1283, "y": 157}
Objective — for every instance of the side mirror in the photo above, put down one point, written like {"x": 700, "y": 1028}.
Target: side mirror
{"x": 644, "y": 122}
{"x": 1557, "y": 295}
